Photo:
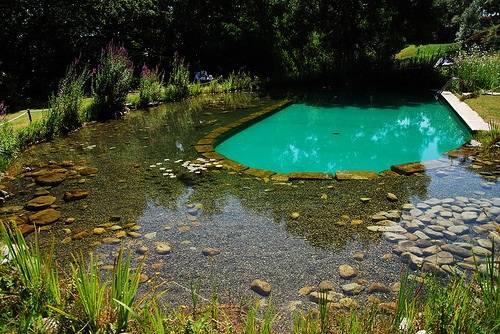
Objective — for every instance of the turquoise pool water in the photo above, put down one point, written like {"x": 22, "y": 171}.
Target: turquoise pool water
{"x": 342, "y": 133}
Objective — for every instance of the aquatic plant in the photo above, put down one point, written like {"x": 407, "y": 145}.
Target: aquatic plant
{"x": 111, "y": 83}
{"x": 64, "y": 105}
{"x": 91, "y": 291}
{"x": 124, "y": 287}
{"x": 178, "y": 83}
{"x": 150, "y": 86}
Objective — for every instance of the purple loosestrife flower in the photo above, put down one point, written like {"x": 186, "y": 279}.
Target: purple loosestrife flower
{"x": 3, "y": 111}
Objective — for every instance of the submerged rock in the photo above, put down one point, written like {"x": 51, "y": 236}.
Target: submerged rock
{"x": 75, "y": 194}
{"x": 45, "y": 217}
{"x": 346, "y": 271}
{"x": 392, "y": 197}
{"x": 41, "y": 202}
{"x": 261, "y": 287}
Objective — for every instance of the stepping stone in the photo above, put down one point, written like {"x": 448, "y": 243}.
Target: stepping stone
{"x": 440, "y": 258}
{"x": 393, "y": 237}
{"x": 45, "y": 217}
{"x": 41, "y": 202}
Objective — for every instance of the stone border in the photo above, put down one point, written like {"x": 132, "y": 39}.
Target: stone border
{"x": 471, "y": 118}
{"x": 206, "y": 147}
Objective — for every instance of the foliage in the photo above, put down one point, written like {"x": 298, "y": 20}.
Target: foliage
{"x": 476, "y": 71}
{"x": 111, "y": 83}
{"x": 91, "y": 291}
{"x": 150, "y": 86}
{"x": 65, "y": 105}
{"x": 462, "y": 305}
{"x": 125, "y": 284}
{"x": 8, "y": 144}
{"x": 428, "y": 50}
{"x": 178, "y": 83}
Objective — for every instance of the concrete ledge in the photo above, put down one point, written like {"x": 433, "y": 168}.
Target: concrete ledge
{"x": 469, "y": 116}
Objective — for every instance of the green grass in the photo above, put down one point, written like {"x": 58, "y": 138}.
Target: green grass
{"x": 487, "y": 106}
{"x": 427, "y": 50}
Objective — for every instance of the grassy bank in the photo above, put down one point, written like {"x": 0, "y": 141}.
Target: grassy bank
{"x": 427, "y": 50}
{"x": 36, "y": 297}
{"x": 487, "y": 106}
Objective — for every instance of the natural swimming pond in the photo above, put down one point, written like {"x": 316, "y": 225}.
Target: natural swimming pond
{"x": 247, "y": 218}
{"x": 346, "y": 133}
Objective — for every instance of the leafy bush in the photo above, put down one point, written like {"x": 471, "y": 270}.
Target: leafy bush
{"x": 111, "y": 83}
{"x": 64, "y": 106}
{"x": 150, "y": 86}
{"x": 477, "y": 71}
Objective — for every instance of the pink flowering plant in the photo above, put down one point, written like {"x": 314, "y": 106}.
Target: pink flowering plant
{"x": 150, "y": 86}
{"x": 111, "y": 82}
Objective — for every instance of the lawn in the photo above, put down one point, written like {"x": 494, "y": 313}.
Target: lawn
{"x": 488, "y": 106}
{"x": 20, "y": 119}
{"x": 426, "y": 50}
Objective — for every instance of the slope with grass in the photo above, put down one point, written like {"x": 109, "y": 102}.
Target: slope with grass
{"x": 427, "y": 50}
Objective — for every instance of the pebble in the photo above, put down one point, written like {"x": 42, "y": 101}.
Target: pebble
{"x": 359, "y": 256}
{"x": 392, "y": 197}
{"x": 295, "y": 215}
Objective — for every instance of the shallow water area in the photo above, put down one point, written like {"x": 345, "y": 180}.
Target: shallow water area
{"x": 147, "y": 195}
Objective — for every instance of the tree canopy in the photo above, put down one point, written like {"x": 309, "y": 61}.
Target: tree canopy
{"x": 281, "y": 39}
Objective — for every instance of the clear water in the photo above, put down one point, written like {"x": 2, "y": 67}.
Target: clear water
{"x": 342, "y": 133}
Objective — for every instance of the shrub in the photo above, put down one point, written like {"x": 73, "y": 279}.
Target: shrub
{"x": 64, "y": 106}
{"x": 477, "y": 71}
{"x": 8, "y": 139}
{"x": 111, "y": 83}
{"x": 150, "y": 86}
{"x": 178, "y": 83}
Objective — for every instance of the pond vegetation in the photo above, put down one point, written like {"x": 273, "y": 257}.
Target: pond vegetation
{"x": 114, "y": 219}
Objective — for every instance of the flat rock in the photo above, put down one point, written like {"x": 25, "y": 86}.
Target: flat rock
{"x": 456, "y": 250}
{"x": 325, "y": 285}
{"x": 51, "y": 178}
{"x": 392, "y": 197}
{"x": 393, "y": 236}
{"x": 99, "y": 230}
{"x": 478, "y": 250}
{"x": 111, "y": 241}
{"x": 469, "y": 216}
{"x": 75, "y": 195}
{"x": 355, "y": 175}
{"x": 162, "y": 248}
{"x": 329, "y": 297}
{"x": 45, "y": 217}
{"x": 209, "y": 251}
{"x": 412, "y": 260}
{"x": 378, "y": 287}
{"x": 261, "y": 287}
{"x": 352, "y": 288}
{"x": 41, "y": 202}
{"x": 440, "y": 258}
{"x": 346, "y": 271}
{"x": 409, "y": 168}
{"x": 458, "y": 229}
